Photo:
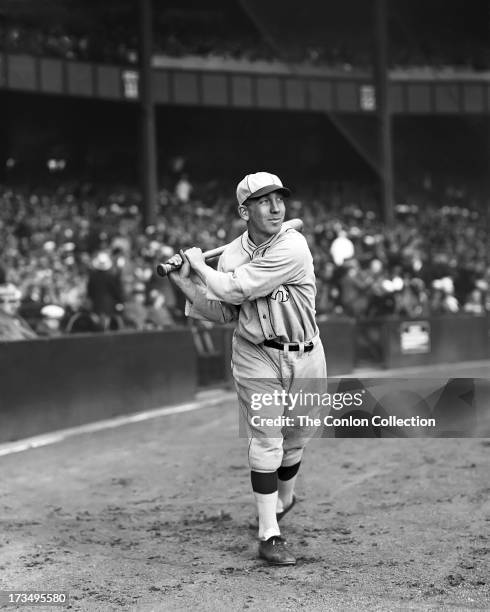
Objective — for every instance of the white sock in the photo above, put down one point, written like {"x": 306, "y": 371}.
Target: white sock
{"x": 266, "y": 508}
{"x": 285, "y": 492}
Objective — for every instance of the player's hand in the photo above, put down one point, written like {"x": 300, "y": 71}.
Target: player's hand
{"x": 195, "y": 258}
{"x": 179, "y": 259}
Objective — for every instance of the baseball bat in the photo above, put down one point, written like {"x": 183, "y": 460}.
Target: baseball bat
{"x": 165, "y": 268}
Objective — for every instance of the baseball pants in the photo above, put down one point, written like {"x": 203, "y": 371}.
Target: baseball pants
{"x": 259, "y": 370}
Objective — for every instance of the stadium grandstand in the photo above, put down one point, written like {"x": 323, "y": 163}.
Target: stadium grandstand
{"x": 71, "y": 202}
{"x": 126, "y": 458}
{"x": 423, "y": 35}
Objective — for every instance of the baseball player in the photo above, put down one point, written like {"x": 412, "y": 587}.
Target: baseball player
{"x": 265, "y": 282}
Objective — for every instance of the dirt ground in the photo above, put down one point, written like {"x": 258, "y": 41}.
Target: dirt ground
{"x": 159, "y": 516}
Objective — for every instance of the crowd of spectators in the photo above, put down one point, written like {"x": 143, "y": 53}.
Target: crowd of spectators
{"x": 111, "y": 45}
{"x": 431, "y": 262}
{"x": 335, "y": 50}
{"x": 75, "y": 259}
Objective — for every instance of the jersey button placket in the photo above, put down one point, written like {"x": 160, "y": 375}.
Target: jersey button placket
{"x": 269, "y": 335}
{"x": 266, "y": 327}
{"x": 263, "y": 312}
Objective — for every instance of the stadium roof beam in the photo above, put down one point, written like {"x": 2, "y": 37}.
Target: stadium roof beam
{"x": 148, "y": 156}
{"x": 383, "y": 110}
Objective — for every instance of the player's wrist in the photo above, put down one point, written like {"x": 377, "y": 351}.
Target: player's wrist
{"x": 199, "y": 266}
{"x": 200, "y": 270}
{"x": 174, "y": 278}
{"x": 179, "y": 281}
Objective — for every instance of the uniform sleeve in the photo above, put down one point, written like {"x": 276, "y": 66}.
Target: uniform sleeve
{"x": 284, "y": 263}
{"x": 206, "y": 309}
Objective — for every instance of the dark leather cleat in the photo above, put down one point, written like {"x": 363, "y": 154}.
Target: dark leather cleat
{"x": 279, "y": 515}
{"x": 275, "y": 551}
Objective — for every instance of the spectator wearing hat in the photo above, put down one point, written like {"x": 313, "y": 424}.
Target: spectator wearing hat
{"x": 412, "y": 300}
{"x": 159, "y": 315}
{"x": 475, "y": 303}
{"x": 443, "y": 300}
{"x": 354, "y": 289}
{"x": 104, "y": 288}
{"x": 51, "y": 322}
{"x": 12, "y": 326}
{"x": 342, "y": 248}
{"x": 135, "y": 310}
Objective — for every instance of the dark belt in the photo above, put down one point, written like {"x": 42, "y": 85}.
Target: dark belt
{"x": 289, "y": 347}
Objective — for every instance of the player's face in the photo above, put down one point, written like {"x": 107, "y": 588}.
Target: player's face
{"x": 265, "y": 216}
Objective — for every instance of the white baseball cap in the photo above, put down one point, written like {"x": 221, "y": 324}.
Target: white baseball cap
{"x": 53, "y": 311}
{"x": 259, "y": 184}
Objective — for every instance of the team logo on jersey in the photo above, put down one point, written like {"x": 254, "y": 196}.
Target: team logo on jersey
{"x": 281, "y": 294}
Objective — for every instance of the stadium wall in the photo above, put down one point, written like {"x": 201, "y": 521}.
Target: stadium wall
{"x": 338, "y": 338}
{"x": 46, "y": 385}
{"x": 437, "y": 340}
{"x": 52, "y": 384}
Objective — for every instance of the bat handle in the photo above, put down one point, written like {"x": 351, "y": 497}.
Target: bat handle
{"x": 163, "y": 269}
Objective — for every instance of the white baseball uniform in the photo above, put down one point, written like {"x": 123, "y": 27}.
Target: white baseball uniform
{"x": 270, "y": 291}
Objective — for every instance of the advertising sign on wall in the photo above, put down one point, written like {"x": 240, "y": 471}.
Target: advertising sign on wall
{"x": 415, "y": 337}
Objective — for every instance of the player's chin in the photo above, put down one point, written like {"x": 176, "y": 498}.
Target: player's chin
{"x": 274, "y": 225}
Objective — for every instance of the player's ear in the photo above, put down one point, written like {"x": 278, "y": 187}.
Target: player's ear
{"x": 243, "y": 212}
